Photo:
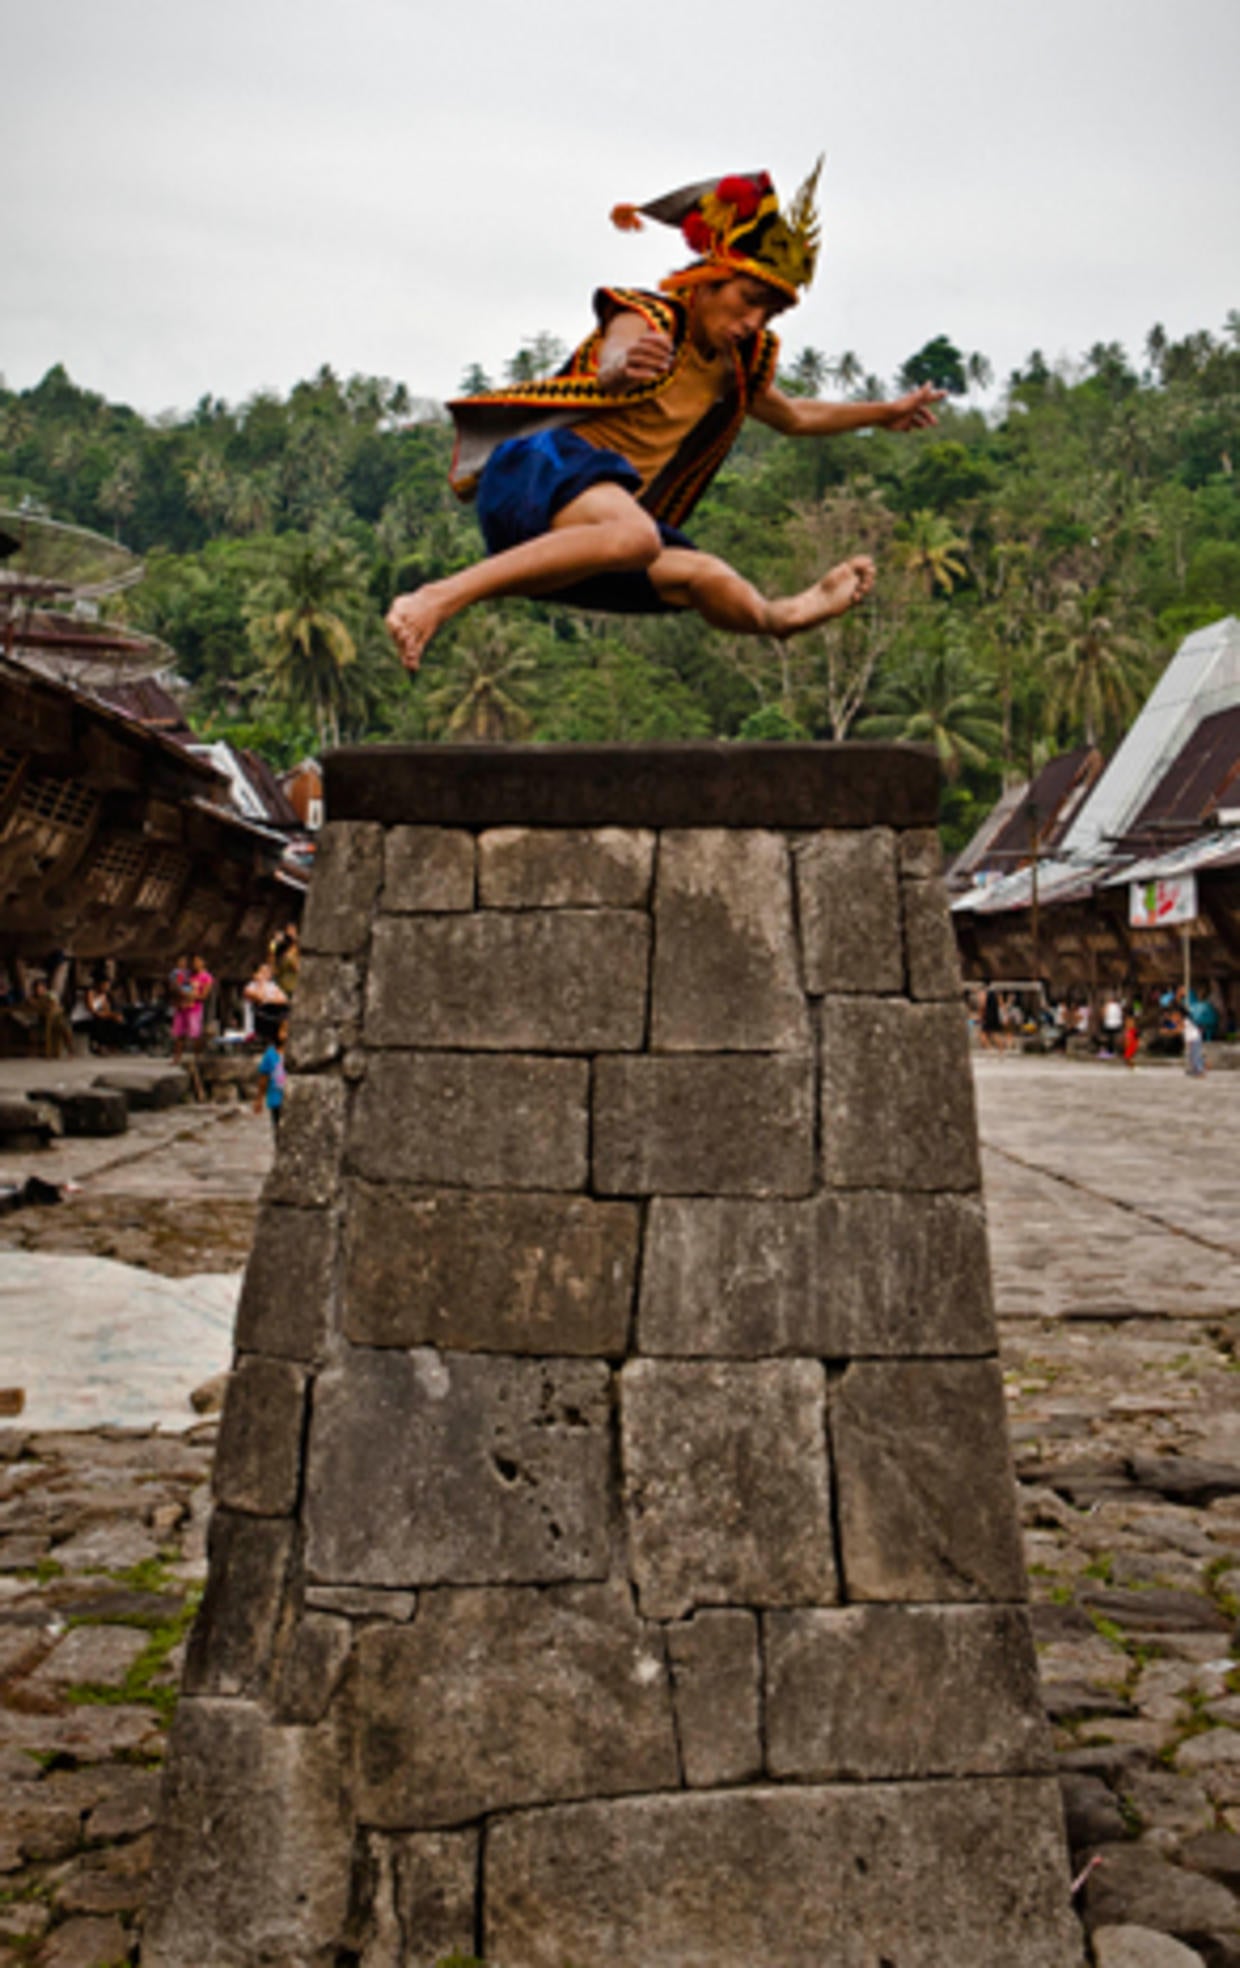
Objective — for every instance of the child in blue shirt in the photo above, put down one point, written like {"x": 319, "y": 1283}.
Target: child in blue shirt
{"x": 271, "y": 1074}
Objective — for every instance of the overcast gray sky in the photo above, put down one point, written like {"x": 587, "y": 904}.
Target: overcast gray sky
{"x": 220, "y": 198}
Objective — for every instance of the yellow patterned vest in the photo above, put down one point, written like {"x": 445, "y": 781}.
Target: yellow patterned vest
{"x": 483, "y": 422}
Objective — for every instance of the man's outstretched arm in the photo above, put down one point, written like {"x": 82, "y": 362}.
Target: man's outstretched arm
{"x": 804, "y": 416}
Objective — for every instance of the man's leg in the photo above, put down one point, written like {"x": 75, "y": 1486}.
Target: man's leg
{"x": 728, "y": 601}
{"x": 603, "y": 530}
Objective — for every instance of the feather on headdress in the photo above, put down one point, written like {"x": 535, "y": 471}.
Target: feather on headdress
{"x": 734, "y": 225}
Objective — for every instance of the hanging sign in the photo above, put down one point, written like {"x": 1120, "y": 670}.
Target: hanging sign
{"x": 1162, "y": 904}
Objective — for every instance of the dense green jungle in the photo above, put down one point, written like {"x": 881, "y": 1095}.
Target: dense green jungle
{"x": 1041, "y": 554}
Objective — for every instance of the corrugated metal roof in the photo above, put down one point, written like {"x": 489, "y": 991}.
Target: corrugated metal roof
{"x": 1202, "y": 678}
{"x": 1198, "y": 780}
{"x": 1058, "y": 881}
{"x": 280, "y": 810}
{"x": 1221, "y": 850}
{"x": 1047, "y": 802}
{"x": 150, "y": 702}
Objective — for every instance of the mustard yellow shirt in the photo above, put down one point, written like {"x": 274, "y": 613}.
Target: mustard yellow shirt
{"x": 650, "y": 433}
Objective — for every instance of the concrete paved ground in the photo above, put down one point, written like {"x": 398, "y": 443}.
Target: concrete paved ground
{"x": 117, "y": 1302}
{"x": 1108, "y": 1190}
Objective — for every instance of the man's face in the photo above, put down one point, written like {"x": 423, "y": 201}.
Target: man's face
{"x": 730, "y": 311}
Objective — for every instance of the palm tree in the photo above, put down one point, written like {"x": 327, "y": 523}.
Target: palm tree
{"x": 118, "y": 495}
{"x": 848, "y": 369}
{"x": 479, "y": 700}
{"x": 298, "y": 619}
{"x": 251, "y": 499}
{"x": 208, "y": 490}
{"x": 931, "y": 548}
{"x": 938, "y": 695}
{"x": 1097, "y": 671}
{"x": 809, "y": 372}
{"x": 979, "y": 371}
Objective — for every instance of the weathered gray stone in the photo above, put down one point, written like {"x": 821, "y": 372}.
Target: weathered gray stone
{"x": 86, "y": 1944}
{"x": 101, "y": 1655}
{"x": 519, "y": 1273}
{"x": 111, "y": 1881}
{"x": 880, "y": 1692}
{"x": 724, "y": 1125}
{"x": 929, "y": 941}
{"x": 498, "y": 1698}
{"x": 909, "y": 1274}
{"x": 838, "y": 1276}
{"x": 253, "y": 1855}
{"x": 24, "y": 1125}
{"x": 473, "y": 1120}
{"x": 258, "y": 1459}
{"x": 1141, "y": 1947}
{"x": 89, "y": 1111}
{"x": 1217, "y": 1854}
{"x": 361, "y": 1602}
{"x": 428, "y": 868}
{"x": 348, "y": 864}
{"x": 415, "y": 1898}
{"x": 287, "y": 1291}
{"x": 144, "y": 1090}
{"x": 545, "y": 980}
{"x": 850, "y": 912}
{"x": 1167, "y": 1800}
{"x": 919, "y": 853}
{"x": 1091, "y": 1810}
{"x": 926, "y": 1497}
{"x": 1135, "y": 1887}
{"x": 232, "y": 1642}
{"x": 314, "y": 1660}
{"x": 565, "y": 868}
{"x": 919, "y": 1875}
{"x": 307, "y": 1164}
{"x": 727, "y": 1485}
{"x": 897, "y": 1096}
{"x": 716, "y": 1683}
{"x": 326, "y": 1015}
{"x": 429, "y": 1468}
{"x": 725, "y": 964}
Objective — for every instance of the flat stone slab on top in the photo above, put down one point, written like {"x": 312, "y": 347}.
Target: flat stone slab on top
{"x": 698, "y": 785}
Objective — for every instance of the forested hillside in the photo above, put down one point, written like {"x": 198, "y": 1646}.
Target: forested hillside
{"x": 1038, "y": 562}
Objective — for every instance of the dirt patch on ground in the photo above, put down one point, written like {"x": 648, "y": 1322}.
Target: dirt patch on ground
{"x": 176, "y": 1237}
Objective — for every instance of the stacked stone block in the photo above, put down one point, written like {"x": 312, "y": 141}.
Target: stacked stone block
{"x": 615, "y": 1558}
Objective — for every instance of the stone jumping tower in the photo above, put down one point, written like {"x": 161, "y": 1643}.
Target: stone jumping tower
{"x": 615, "y": 1559}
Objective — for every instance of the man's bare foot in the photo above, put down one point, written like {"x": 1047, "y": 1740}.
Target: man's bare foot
{"x": 840, "y": 589}
{"x": 411, "y": 622}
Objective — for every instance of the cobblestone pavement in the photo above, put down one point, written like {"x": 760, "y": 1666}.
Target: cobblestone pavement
{"x": 1116, "y": 1253}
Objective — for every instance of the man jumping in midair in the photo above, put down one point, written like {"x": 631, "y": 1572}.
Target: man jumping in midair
{"x": 582, "y": 480}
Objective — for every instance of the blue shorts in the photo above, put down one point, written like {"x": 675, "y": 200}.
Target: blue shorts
{"x": 528, "y": 480}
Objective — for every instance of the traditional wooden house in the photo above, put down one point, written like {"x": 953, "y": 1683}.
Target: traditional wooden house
{"x": 1166, "y": 810}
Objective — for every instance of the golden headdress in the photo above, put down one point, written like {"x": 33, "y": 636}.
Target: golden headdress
{"x": 735, "y": 226}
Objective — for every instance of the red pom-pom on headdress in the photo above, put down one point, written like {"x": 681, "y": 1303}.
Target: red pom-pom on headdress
{"x": 744, "y": 195}
{"x": 697, "y": 234}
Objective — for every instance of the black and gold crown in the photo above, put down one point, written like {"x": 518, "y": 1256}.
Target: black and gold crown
{"x": 734, "y": 225}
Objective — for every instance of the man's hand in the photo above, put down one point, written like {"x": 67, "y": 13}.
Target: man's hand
{"x": 913, "y": 412}
{"x": 632, "y": 363}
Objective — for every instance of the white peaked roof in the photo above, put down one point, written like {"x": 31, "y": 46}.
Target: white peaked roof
{"x": 225, "y": 760}
{"x": 1202, "y": 677}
